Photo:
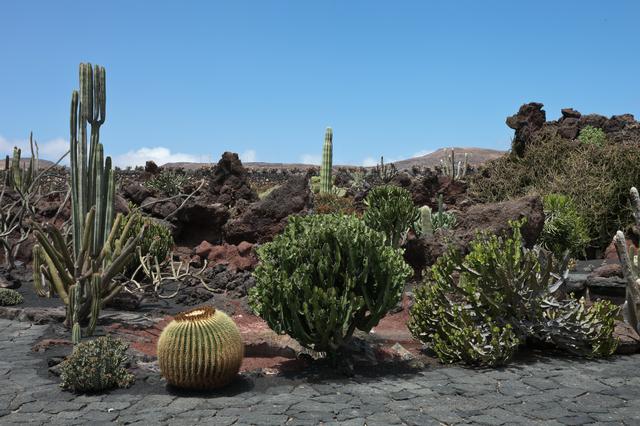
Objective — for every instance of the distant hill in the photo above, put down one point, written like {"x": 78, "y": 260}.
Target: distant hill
{"x": 477, "y": 156}
{"x": 24, "y": 162}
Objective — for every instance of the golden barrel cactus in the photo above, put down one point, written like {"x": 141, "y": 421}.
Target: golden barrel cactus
{"x": 200, "y": 349}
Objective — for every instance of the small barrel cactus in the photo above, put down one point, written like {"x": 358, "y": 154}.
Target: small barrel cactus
{"x": 200, "y": 349}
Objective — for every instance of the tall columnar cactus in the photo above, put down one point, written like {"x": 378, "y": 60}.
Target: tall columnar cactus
{"x": 326, "y": 182}
{"x": 200, "y": 349}
{"x": 630, "y": 268}
{"x": 82, "y": 275}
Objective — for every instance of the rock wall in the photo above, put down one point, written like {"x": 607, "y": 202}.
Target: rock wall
{"x": 530, "y": 125}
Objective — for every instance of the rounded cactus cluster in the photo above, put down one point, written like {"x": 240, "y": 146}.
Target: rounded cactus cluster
{"x": 200, "y": 349}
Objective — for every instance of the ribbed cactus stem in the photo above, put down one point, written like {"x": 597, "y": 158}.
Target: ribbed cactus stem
{"x": 631, "y": 271}
{"x": 426, "y": 220}
{"x": 635, "y": 204}
{"x": 200, "y": 349}
{"x": 326, "y": 182}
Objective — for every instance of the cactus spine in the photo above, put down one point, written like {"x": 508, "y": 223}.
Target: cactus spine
{"x": 200, "y": 349}
{"x": 326, "y": 182}
{"x": 83, "y": 275}
{"x": 631, "y": 268}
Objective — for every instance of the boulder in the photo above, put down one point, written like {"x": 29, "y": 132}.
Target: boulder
{"x": 629, "y": 339}
{"x": 136, "y": 192}
{"x": 530, "y": 117}
{"x": 229, "y": 255}
{"x": 151, "y": 167}
{"x": 201, "y": 219}
{"x": 262, "y": 220}
{"x": 569, "y": 113}
{"x": 493, "y": 218}
{"x": 230, "y": 181}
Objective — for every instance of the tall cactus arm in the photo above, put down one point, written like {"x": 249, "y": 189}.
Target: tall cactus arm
{"x": 326, "y": 182}
{"x": 630, "y": 272}
{"x": 635, "y": 204}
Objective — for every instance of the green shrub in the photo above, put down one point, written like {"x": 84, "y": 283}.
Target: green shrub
{"x": 479, "y": 308}
{"x": 168, "y": 182}
{"x": 592, "y": 136}
{"x": 324, "y": 277}
{"x": 9, "y": 297}
{"x": 96, "y": 365}
{"x": 564, "y": 229}
{"x": 596, "y": 179}
{"x": 391, "y": 211}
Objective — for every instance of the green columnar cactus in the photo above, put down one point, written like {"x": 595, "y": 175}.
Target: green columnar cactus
{"x": 21, "y": 179}
{"x": 200, "y": 349}
{"x": 82, "y": 275}
{"x": 326, "y": 182}
{"x": 630, "y": 268}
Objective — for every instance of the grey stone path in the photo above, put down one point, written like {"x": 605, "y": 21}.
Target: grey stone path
{"x": 547, "y": 391}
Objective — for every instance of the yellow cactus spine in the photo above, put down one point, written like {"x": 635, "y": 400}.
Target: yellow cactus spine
{"x": 200, "y": 349}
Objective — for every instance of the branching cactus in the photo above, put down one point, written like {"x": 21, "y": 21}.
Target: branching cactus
{"x": 631, "y": 268}
{"x": 326, "y": 183}
{"x": 455, "y": 171}
{"x": 81, "y": 271}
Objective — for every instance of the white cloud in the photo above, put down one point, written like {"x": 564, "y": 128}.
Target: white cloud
{"x": 159, "y": 154}
{"x": 49, "y": 150}
{"x": 311, "y": 159}
{"x": 249, "y": 156}
{"x": 369, "y": 162}
{"x": 423, "y": 152}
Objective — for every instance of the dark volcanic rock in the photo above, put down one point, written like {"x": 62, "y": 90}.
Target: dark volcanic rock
{"x": 136, "y": 192}
{"x": 230, "y": 181}
{"x": 266, "y": 218}
{"x": 151, "y": 167}
{"x": 493, "y": 218}
{"x": 200, "y": 219}
{"x": 529, "y": 118}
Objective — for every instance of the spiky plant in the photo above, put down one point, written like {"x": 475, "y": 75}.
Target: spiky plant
{"x": 200, "y": 349}
{"x": 630, "y": 268}
{"x": 10, "y": 297}
{"x": 81, "y": 270}
{"x": 326, "y": 183}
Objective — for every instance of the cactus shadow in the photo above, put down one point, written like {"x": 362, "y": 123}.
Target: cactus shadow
{"x": 240, "y": 385}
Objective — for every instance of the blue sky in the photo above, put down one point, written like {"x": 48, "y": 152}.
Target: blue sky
{"x": 190, "y": 80}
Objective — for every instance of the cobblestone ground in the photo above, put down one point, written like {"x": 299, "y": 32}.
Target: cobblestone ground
{"x": 546, "y": 391}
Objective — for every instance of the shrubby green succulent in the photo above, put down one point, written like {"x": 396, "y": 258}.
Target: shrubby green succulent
{"x": 168, "y": 182}
{"x": 324, "y": 277}
{"x": 391, "y": 211}
{"x": 592, "y": 136}
{"x": 564, "y": 229}
{"x": 9, "y": 297}
{"x": 505, "y": 293}
{"x": 96, "y": 365}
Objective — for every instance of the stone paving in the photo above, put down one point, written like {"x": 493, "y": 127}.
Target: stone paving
{"x": 546, "y": 391}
